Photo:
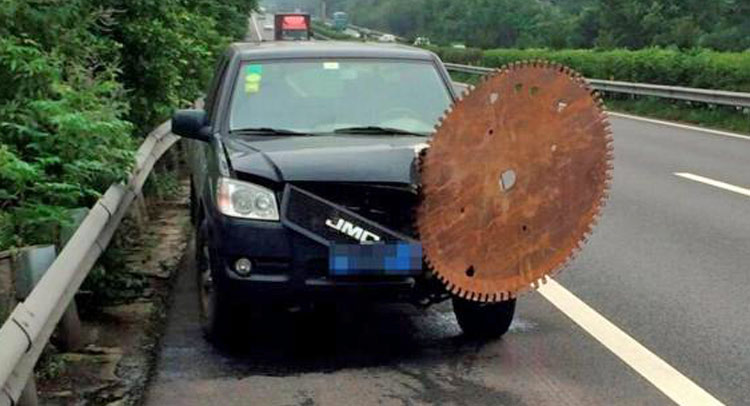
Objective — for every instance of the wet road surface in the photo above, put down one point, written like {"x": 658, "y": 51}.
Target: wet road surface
{"x": 668, "y": 265}
{"x": 389, "y": 355}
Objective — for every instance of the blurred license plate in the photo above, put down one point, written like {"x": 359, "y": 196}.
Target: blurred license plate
{"x": 398, "y": 259}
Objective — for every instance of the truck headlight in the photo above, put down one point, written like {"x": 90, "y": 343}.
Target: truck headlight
{"x": 246, "y": 200}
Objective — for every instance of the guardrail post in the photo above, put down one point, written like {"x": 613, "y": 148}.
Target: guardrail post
{"x": 140, "y": 211}
{"x": 7, "y": 294}
{"x": 174, "y": 158}
{"x": 29, "y": 395}
{"x": 70, "y": 336}
{"x": 30, "y": 266}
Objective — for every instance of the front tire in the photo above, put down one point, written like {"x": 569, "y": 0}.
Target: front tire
{"x": 214, "y": 309}
{"x": 484, "y": 320}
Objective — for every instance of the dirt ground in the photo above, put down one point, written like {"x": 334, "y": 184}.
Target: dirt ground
{"x": 119, "y": 340}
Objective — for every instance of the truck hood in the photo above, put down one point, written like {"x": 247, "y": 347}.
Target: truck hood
{"x": 333, "y": 158}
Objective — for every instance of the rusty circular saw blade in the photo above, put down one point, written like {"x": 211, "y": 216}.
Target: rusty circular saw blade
{"x": 514, "y": 180}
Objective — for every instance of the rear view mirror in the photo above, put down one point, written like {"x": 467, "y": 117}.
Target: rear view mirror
{"x": 191, "y": 124}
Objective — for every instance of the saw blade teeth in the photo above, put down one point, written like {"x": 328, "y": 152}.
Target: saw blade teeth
{"x": 433, "y": 232}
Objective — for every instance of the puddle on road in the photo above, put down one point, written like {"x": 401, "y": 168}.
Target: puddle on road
{"x": 521, "y": 325}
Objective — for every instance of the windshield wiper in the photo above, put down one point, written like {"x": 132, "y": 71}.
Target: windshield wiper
{"x": 377, "y": 130}
{"x": 269, "y": 131}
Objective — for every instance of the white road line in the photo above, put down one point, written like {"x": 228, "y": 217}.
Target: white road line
{"x": 714, "y": 183}
{"x": 682, "y": 126}
{"x": 257, "y": 30}
{"x": 663, "y": 376}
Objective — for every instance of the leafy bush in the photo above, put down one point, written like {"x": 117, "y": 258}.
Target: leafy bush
{"x": 63, "y": 138}
{"x": 80, "y": 79}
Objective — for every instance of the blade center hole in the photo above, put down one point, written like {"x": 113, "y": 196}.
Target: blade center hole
{"x": 507, "y": 180}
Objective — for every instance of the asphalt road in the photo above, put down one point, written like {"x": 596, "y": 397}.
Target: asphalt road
{"x": 257, "y": 28}
{"x": 668, "y": 264}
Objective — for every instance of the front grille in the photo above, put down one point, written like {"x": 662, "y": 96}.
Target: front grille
{"x": 390, "y": 206}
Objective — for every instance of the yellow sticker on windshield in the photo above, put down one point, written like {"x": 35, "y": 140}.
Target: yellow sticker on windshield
{"x": 252, "y": 78}
{"x": 331, "y": 65}
{"x": 252, "y": 87}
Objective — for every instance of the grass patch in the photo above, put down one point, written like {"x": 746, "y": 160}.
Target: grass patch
{"x": 704, "y": 115}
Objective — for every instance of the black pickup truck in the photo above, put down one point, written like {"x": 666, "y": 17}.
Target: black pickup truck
{"x": 304, "y": 180}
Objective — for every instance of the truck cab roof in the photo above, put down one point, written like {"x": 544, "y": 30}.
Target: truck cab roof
{"x": 326, "y": 49}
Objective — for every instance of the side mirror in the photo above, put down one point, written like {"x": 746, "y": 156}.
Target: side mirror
{"x": 191, "y": 124}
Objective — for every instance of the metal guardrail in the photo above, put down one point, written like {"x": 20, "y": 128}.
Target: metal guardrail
{"x": 722, "y": 97}
{"x": 368, "y": 31}
{"x": 30, "y": 325}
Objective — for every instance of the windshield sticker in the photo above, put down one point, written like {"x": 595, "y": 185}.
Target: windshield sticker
{"x": 256, "y": 69}
{"x": 252, "y": 87}
{"x": 253, "y": 77}
{"x": 331, "y": 65}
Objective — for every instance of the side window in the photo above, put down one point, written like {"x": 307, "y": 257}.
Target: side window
{"x": 213, "y": 88}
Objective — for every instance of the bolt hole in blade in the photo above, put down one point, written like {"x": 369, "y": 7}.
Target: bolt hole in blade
{"x": 494, "y": 98}
{"x": 470, "y": 272}
{"x": 534, "y": 90}
{"x": 525, "y": 228}
{"x": 518, "y": 87}
{"x": 507, "y": 180}
{"x": 491, "y": 131}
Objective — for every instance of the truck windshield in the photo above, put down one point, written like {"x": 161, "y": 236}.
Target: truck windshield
{"x": 326, "y": 96}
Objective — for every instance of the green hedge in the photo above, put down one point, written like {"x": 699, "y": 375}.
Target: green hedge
{"x": 467, "y": 56}
{"x": 697, "y": 68}
{"x": 322, "y": 29}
